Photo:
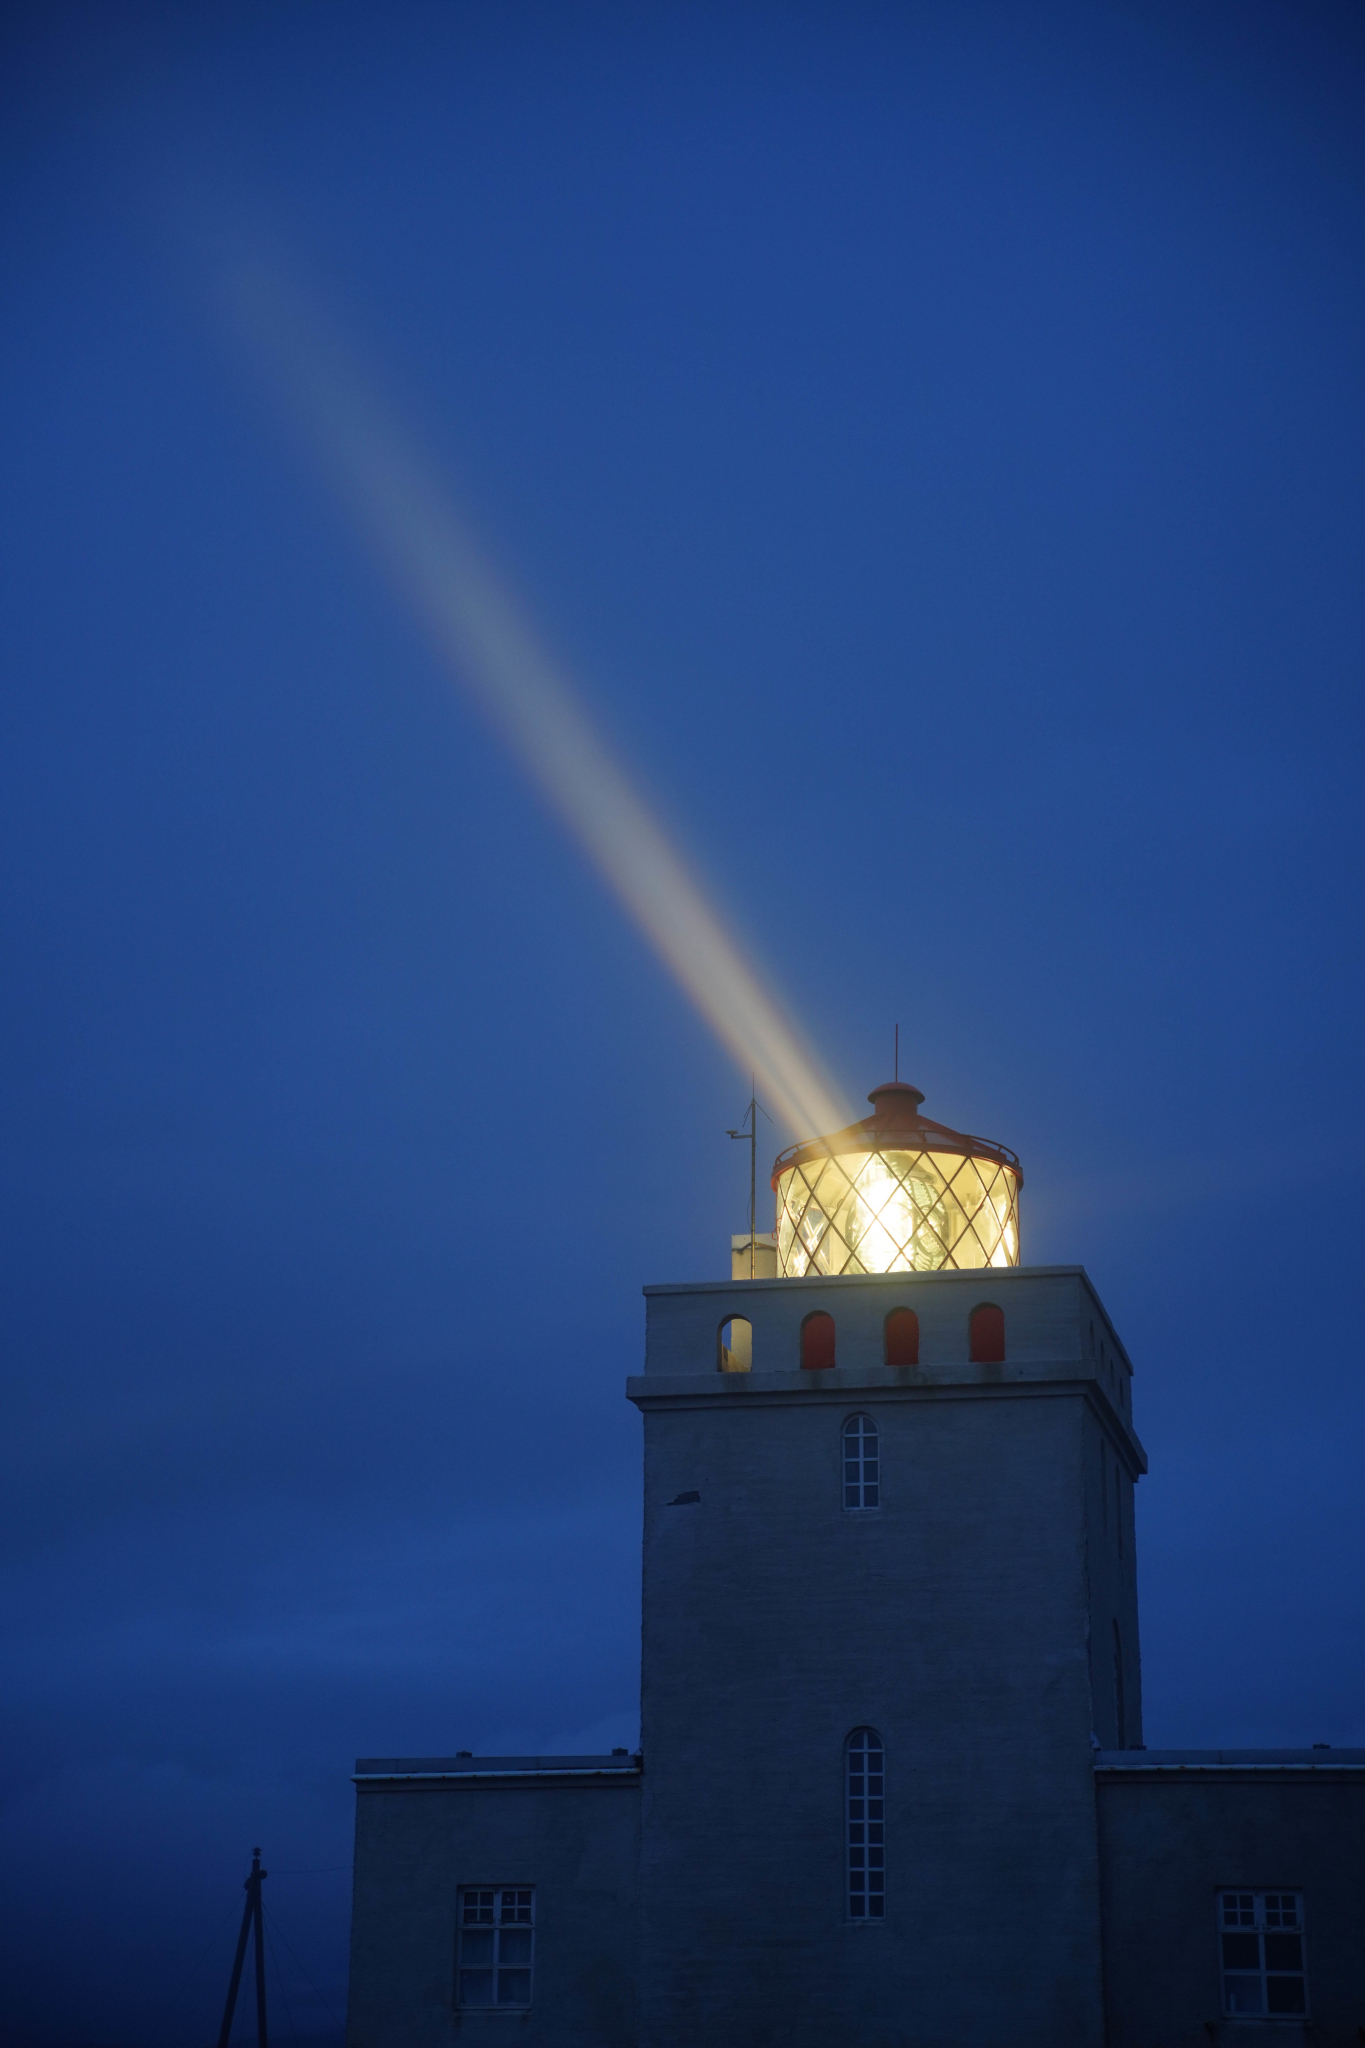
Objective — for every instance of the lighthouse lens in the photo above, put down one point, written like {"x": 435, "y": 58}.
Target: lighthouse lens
{"x": 896, "y": 1212}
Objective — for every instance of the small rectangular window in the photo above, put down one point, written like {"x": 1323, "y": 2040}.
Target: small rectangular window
{"x": 496, "y": 1936}
{"x": 1261, "y": 1954}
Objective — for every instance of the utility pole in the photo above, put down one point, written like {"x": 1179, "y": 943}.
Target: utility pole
{"x": 751, "y": 1117}
{"x": 252, "y": 1923}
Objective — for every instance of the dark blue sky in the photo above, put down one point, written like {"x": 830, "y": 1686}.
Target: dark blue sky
{"x": 932, "y": 438}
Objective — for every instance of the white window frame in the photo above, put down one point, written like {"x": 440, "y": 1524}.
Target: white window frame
{"x": 1259, "y": 1916}
{"x": 865, "y": 1828}
{"x": 857, "y": 1430}
{"x": 510, "y": 1910}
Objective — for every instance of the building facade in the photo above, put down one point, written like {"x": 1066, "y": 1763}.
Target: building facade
{"x": 891, "y": 1786}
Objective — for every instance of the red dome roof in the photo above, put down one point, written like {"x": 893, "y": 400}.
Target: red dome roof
{"x": 897, "y": 1126}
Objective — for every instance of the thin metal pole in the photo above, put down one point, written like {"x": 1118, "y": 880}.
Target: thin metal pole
{"x": 258, "y": 1874}
{"x": 753, "y": 1168}
{"x": 896, "y": 1076}
{"x": 751, "y": 1134}
{"x": 251, "y": 1918}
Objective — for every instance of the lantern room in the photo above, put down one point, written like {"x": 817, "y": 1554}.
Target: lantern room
{"x": 896, "y": 1193}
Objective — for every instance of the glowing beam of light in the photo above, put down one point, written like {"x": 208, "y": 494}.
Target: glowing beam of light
{"x": 429, "y": 552}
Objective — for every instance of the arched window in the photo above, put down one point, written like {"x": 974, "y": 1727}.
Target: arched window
{"x": 901, "y": 1337}
{"x": 866, "y": 1826}
{"x": 987, "y": 1328}
{"x": 1120, "y": 1719}
{"x": 735, "y": 1344}
{"x": 862, "y": 1463}
{"x": 817, "y": 1342}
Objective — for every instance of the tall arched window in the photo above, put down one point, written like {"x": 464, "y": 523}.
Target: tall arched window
{"x": 902, "y": 1337}
{"x": 817, "y": 1342}
{"x": 1120, "y": 1718}
{"x": 987, "y": 1331}
{"x": 862, "y": 1463}
{"x": 866, "y": 1802}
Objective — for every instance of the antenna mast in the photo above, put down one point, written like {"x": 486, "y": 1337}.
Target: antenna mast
{"x": 751, "y": 1117}
{"x": 251, "y": 1923}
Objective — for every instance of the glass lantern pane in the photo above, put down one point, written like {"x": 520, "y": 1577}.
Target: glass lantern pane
{"x": 896, "y": 1212}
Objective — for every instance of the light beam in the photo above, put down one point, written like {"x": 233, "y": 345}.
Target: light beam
{"x": 429, "y": 552}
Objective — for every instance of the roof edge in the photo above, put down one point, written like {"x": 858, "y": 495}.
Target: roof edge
{"x": 1321, "y": 1759}
{"x": 936, "y": 1276}
{"x": 409, "y": 1769}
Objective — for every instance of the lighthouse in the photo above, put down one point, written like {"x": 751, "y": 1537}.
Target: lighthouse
{"x": 890, "y": 1608}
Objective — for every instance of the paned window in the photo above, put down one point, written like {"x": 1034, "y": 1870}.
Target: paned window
{"x": 497, "y": 1931}
{"x": 862, "y": 1463}
{"x": 866, "y": 1826}
{"x": 1261, "y": 1938}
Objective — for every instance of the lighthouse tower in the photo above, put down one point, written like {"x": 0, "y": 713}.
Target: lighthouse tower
{"x": 890, "y": 1612}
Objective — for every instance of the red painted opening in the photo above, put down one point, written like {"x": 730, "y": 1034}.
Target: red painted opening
{"x": 988, "y": 1334}
{"x": 902, "y": 1337}
{"x": 817, "y": 1343}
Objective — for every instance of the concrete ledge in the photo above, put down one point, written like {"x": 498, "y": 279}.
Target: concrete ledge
{"x": 1139, "y": 1763}
{"x": 908, "y": 1383}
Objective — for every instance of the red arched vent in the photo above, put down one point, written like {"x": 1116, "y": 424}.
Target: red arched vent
{"x": 902, "y": 1337}
{"x": 988, "y": 1334}
{"x": 817, "y": 1343}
